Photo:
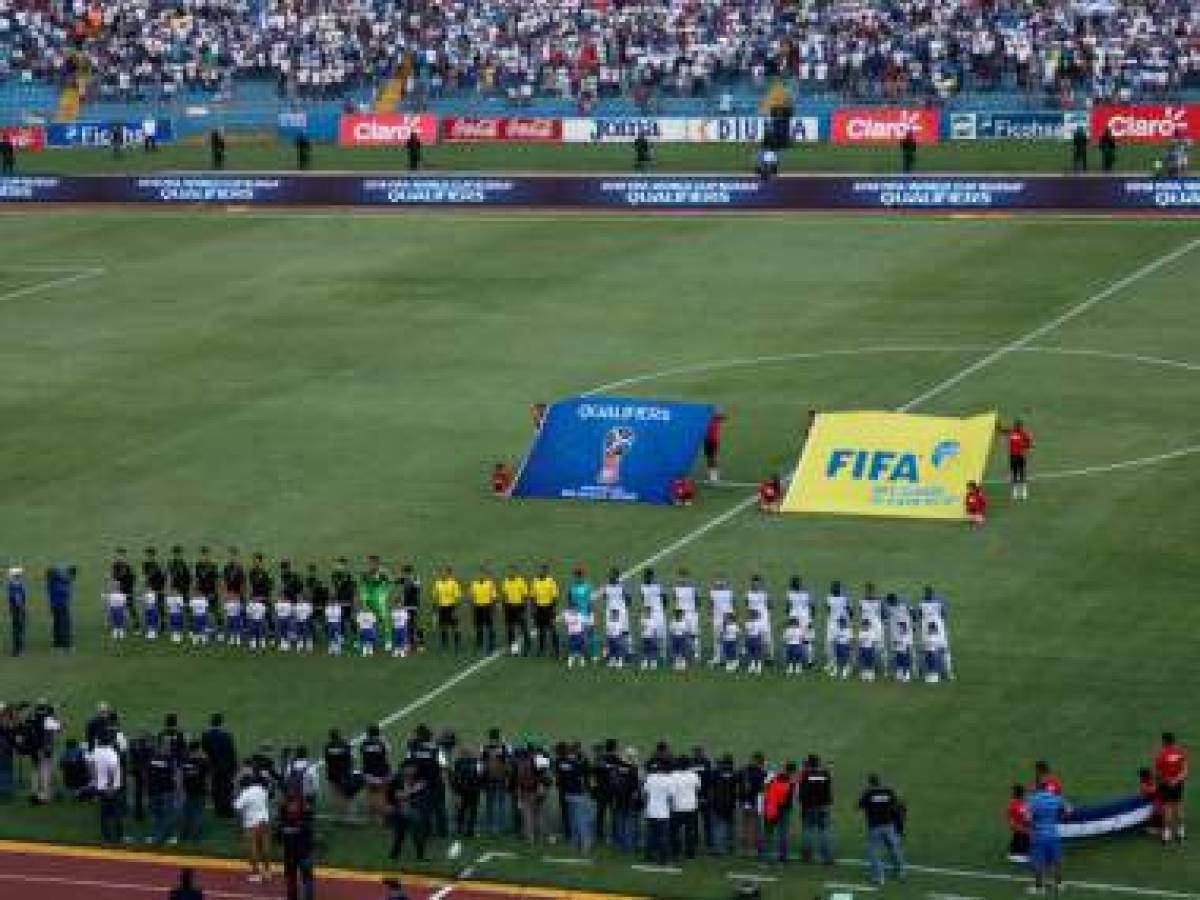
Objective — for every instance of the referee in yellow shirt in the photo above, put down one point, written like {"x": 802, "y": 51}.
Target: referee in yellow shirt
{"x": 446, "y": 594}
{"x": 516, "y": 597}
{"x": 545, "y": 603}
{"x": 483, "y": 609}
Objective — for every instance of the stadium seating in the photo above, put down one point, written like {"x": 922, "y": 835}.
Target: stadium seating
{"x": 603, "y": 56}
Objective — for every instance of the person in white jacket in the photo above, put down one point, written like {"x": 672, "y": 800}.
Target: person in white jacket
{"x": 253, "y": 805}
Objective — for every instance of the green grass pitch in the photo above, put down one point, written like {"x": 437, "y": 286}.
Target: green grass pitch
{"x": 327, "y": 384}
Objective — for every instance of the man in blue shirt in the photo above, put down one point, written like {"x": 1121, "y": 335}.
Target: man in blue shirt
{"x": 59, "y": 582}
{"x": 16, "y": 609}
{"x": 1046, "y": 810}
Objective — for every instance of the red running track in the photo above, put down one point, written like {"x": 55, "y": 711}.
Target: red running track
{"x": 42, "y": 872}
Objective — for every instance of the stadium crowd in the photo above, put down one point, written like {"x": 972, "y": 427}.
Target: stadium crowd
{"x": 888, "y": 49}
{"x": 672, "y": 805}
{"x": 647, "y": 625}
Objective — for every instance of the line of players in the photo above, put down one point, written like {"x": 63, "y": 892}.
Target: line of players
{"x": 869, "y": 636}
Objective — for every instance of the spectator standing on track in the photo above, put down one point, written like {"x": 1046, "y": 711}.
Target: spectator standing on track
{"x": 908, "y": 152}
{"x": 8, "y": 155}
{"x": 160, "y": 790}
{"x": 18, "y": 602}
{"x": 408, "y": 804}
{"x": 751, "y": 781}
{"x": 194, "y": 778}
{"x": 494, "y": 761}
{"x": 374, "y": 760}
{"x": 296, "y": 834}
{"x": 219, "y": 747}
{"x": 816, "y": 801}
{"x": 1079, "y": 150}
{"x": 110, "y": 790}
{"x": 723, "y": 804}
{"x": 59, "y": 585}
{"x": 1108, "y": 151}
{"x": 216, "y": 147}
{"x": 778, "y": 800}
{"x": 412, "y": 147}
{"x": 339, "y": 773}
{"x": 882, "y": 811}
{"x": 466, "y": 780}
{"x": 658, "y": 790}
{"x": 253, "y": 805}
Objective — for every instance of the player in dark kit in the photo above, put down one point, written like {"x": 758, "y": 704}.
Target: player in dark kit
{"x": 262, "y": 585}
{"x": 179, "y": 573}
{"x": 233, "y": 575}
{"x": 206, "y": 578}
{"x": 1020, "y": 442}
{"x": 155, "y": 577}
{"x": 122, "y": 574}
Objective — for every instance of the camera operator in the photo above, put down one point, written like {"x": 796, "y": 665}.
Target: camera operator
{"x": 10, "y": 724}
{"x": 41, "y": 728}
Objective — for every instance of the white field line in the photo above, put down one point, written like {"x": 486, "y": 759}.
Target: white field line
{"x": 51, "y": 284}
{"x": 442, "y": 893}
{"x": 939, "y": 388}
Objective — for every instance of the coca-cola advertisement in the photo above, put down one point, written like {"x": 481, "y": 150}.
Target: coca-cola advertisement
{"x": 1148, "y": 123}
{"x": 465, "y": 129}
{"x": 25, "y": 137}
{"x": 884, "y": 125}
{"x": 386, "y": 129}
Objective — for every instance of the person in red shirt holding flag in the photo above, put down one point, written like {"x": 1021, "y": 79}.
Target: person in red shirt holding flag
{"x": 770, "y": 494}
{"x": 1171, "y": 770}
{"x": 712, "y": 446}
{"x": 683, "y": 492}
{"x": 1017, "y": 814}
{"x": 1020, "y": 442}
{"x": 976, "y": 503}
{"x": 502, "y": 480}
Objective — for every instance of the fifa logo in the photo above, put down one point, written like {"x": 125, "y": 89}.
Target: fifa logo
{"x": 618, "y": 441}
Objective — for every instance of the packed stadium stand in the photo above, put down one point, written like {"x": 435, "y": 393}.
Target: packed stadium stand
{"x": 110, "y": 60}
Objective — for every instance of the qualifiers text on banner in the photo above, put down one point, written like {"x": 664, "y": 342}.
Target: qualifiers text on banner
{"x": 890, "y": 464}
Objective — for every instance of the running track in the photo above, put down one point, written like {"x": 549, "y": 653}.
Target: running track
{"x": 46, "y": 872}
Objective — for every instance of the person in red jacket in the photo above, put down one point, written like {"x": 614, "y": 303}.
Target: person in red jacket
{"x": 683, "y": 492}
{"x": 770, "y": 494}
{"x": 1020, "y": 442}
{"x": 712, "y": 446}
{"x": 976, "y": 503}
{"x": 502, "y": 480}
{"x": 778, "y": 798}
{"x": 1171, "y": 770}
{"x": 1017, "y": 814}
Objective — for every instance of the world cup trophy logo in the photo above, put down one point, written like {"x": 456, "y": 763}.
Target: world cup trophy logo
{"x": 618, "y": 441}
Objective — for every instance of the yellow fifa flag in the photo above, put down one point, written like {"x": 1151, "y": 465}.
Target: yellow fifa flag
{"x": 890, "y": 464}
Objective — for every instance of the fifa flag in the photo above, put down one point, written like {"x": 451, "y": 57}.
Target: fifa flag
{"x": 890, "y": 464}
{"x": 613, "y": 448}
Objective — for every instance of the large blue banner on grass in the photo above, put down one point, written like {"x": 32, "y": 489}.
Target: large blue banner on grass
{"x": 613, "y": 448}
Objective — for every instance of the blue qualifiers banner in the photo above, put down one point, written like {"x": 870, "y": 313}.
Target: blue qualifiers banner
{"x": 1018, "y": 126}
{"x": 682, "y": 192}
{"x": 212, "y": 189}
{"x": 456, "y": 190}
{"x": 1157, "y": 193}
{"x": 99, "y": 134}
{"x": 613, "y": 448}
{"x": 940, "y": 193}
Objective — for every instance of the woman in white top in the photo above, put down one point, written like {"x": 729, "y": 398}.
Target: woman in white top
{"x": 253, "y": 805}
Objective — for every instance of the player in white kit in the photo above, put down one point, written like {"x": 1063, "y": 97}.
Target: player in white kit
{"x": 654, "y": 612}
{"x": 837, "y": 607}
{"x": 302, "y": 612}
{"x": 758, "y": 604}
{"x": 334, "y": 634}
{"x": 198, "y": 606}
{"x": 687, "y": 601}
{"x": 117, "y": 605}
{"x": 720, "y": 595}
{"x": 933, "y": 609}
